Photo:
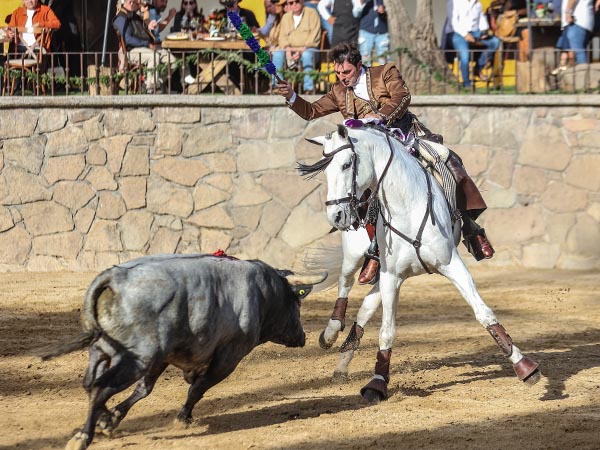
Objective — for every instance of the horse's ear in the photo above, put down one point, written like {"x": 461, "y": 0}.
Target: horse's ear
{"x": 319, "y": 140}
{"x": 343, "y": 131}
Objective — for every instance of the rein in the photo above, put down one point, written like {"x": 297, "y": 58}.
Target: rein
{"x": 355, "y": 203}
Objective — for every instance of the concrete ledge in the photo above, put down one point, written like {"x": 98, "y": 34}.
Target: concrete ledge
{"x": 270, "y": 101}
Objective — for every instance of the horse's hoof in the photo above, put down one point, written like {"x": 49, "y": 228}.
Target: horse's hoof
{"x": 77, "y": 442}
{"x": 340, "y": 376}
{"x": 533, "y": 378}
{"x": 525, "y": 368}
{"x": 323, "y": 343}
{"x": 371, "y": 396}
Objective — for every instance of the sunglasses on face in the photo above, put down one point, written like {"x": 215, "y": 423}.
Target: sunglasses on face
{"x": 189, "y": 3}
{"x": 293, "y": 2}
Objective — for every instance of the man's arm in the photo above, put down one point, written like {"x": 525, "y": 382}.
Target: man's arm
{"x": 400, "y": 95}
{"x": 308, "y": 111}
{"x": 50, "y": 20}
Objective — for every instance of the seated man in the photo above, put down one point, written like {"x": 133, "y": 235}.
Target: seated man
{"x": 381, "y": 93}
{"x": 300, "y": 36}
{"x": 467, "y": 26}
{"x": 140, "y": 44}
{"x": 31, "y": 15}
{"x": 155, "y": 9}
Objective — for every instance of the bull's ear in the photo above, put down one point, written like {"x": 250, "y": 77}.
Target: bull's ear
{"x": 343, "y": 131}
{"x": 319, "y": 140}
{"x": 302, "y": 290}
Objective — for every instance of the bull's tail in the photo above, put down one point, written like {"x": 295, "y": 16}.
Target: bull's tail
{"x": 92, "y": 330}
{"x": 79, "y": 342}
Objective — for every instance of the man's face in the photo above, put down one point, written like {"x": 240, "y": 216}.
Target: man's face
{"x": 270, "y": 7}
{"x": 30, "y": 4}
{"x": 160, "y": 5}
{"x": 132, "y": 5}
{"x": 348, "y": 73}
{"x": 295, "y": 6}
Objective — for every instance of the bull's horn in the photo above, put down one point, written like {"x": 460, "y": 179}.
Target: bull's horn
{"x": 305, "y": 279}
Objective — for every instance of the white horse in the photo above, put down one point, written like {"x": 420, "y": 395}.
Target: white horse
{"x": 415, "y": 234}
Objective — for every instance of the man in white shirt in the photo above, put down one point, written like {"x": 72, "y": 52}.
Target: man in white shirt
{"x": 466, "y": 27}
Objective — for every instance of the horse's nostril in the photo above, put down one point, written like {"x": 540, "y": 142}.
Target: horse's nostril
{"x": 338, "y": 217}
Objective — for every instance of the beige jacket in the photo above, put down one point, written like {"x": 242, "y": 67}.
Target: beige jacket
{"x": 308, "y": 33}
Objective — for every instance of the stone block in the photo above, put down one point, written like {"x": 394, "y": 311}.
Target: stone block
{"x": 133, "y": 190}
{"x": 274, "y": 215}
{"x": 255, "y": 156}
{"x": 246, "y": 216}
{"x": 593, "y": 210}
{"x": 96, "y": 155}
{"x": 64, "y": 168}
{"x": 27, "y": 154}
{"x": 529, "y": 180}
{"x": 584, "y": 172}
{"x": 286, "y": 124}
{"x": 129, "y": 121}
{"x": 82, "y": 115}
{"x": 93, "y": 129}
{"x": 135, "y": 230}
{"x": 64, "y": 245}
{"x": 569, "y": 261}
{"x": 476, "y": 158}
{"x": 103, "y": 237}
{"x": 213, "y": 240}
{"x": 514, "y": 225}
{"x": 210, "y": 116}
{"x": 254, "y": 244}
{"x": 251, "y": 123}
{"x": 561, "y": 197}
{"x": 278, "y": 254}
{"x": 39, "y": 263}
{"x": 289, "y": 193}
{"x": 215, "y": 217}
{"x": 46, "y": 217}
{"x": 304, "y": 226}
{"x": 115, "y": 150}
{"x": 220, "y": 162}
{"x": 101, "y": 179}
{"x": 15, "y": 245}
{"x": 247, "y": 192}
{"x": 66, "y": 141}
{"x": 544, "y": 146}
{"x": 208, "y": 139}
{"x": 221, "y": 181}
{"x": 584, "y": 237}
{"x": 51, "y": 120}
{"x": 182, "y": 171}
{"x": 178, "y": 115}
{"x": 502, "y": 167}
{"x": 558, "y": 226}
{"x": 169, "y": 139}
{"x": 84, "y": 218}
{"x": 110, "y": 205}
{"x": 18, "y": 186}
{"x": 541, "y": 255}
{"x": 206, "y": 196}
{"x": 6, "y": 219}
{"x": 577, "y": 124}
{"x": 164, "y": 241}
{"x": 590, "y": 139}
{"x": 497, "y": 197}
{"x": 174, "y": 223}
{"x": 164, "y": 197}
{"x": 73, "y": 194}
{"x": 136, "y": 161}
{"x": 21, "y": 122}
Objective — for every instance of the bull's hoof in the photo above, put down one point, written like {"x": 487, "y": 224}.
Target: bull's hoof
{"x": 182, "y": 420}
{"x": 108, "y": 422}
{"x": 533, "y": 378}
{"x": 323, "y": 343}
{"x": 340, "y": 376}
{"x": 375, "y": 391}
{"x": 77, "y": 442}
{"x": 525, "y": 368}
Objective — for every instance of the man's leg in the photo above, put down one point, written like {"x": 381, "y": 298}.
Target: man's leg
{"x": 491, "y": 45}
{"x": 278, "y": 59}
{"x": 366, "y": 42}
{"x": 371, "y": 265}
{"x": 309, "y": 62}
{"x": 382, "y": 45}
{"x": 578, "y": 38}
{"x": 462, "y": 48}
{"x": 148, "y": 59}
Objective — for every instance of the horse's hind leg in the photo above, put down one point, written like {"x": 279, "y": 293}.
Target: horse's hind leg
{"x": 526, "y": 369}
{"x": 354, "y": 244}
{"x": 370, "y": 304}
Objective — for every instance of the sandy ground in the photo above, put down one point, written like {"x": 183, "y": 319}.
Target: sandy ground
{"x": 451, "y": 388}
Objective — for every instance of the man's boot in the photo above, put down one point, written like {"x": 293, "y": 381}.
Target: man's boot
{"x": 476, "y": 240}
{"x": 370, "y": 268}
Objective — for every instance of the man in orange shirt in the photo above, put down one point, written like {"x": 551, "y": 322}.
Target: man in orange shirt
{"x": 31, "y": 15}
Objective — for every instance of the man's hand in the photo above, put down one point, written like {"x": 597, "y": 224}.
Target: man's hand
{"x": 469, "y": 38}
{"x": 374, "y": 116}
{"x": 171, "y": 15}
{"x": 331, "y": 20}
{"x": 152, "y": 25}
{"x": 285, "y": 89}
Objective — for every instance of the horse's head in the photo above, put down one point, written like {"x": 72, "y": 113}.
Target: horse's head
{"x": 346, "y": 179}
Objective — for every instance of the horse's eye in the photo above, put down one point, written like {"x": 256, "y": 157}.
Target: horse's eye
{"x": 347, "y": 165}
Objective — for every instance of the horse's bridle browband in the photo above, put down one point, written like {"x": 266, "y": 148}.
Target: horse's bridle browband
{"x": 355, "y": 203}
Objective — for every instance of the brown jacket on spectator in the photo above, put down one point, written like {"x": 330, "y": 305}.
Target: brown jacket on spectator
{"x": 43, "y": 17}
{"x": 308, "y": 33}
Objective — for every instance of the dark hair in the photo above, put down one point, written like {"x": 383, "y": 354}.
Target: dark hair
{"x": 346, "y": 51}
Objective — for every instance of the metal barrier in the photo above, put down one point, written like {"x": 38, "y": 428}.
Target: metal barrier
{"x": 237, "y": 72}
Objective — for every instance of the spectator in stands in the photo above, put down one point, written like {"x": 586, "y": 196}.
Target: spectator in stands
{"x": 325, "y": 7}
{"x": 300, "y": 36}
{"x": 373, "y": 32}
{"x": 271, "y": 14}
{"x": 155, "y": 9}
{"x": 31, "y": 15}
{"x": 577, "y": 22}
{"x": 272, "y": 39}
{"x": 325, "y": 26}
{"x": 247, "y": 16}
{"x": 187, "y": 13}
{"x": 139, "y": 42}
{"x": 344, "y": 17}
{"x": 467, "y": 26}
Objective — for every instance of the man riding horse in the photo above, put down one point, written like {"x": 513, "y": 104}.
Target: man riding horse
{"x": 381, "y": 93}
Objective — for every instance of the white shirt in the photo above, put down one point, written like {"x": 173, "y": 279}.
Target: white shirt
{"x": 465, "y": 16}
{"x": 29, "y": 38}
{"x": 583, "y": 13}
{"x": 325, "y": 8}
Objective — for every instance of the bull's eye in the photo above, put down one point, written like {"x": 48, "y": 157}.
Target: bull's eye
{"x": 347, "y": 165}
{"x": 301, "y": 291}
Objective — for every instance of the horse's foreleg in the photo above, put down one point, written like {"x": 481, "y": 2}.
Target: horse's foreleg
{"x": 376, "y": 389}
{"x": 370, "y": 304}
{"x": 526, "y": 369}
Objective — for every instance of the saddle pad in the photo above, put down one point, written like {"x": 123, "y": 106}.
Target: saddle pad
{"x": 430, "y": 156}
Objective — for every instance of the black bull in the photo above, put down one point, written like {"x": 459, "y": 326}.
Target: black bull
{"x": 200, "y": 313}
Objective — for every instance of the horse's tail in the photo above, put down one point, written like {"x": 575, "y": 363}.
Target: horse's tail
{"x": 324, "y": 258}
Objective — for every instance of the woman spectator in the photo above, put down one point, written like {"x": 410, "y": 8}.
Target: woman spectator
{"x": 29, "y": 16}
{"x": 272, "y": 39}
{"x": 186, "y": 15}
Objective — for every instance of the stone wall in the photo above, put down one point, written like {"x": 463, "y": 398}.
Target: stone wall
{"x": 90, "y": 182}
